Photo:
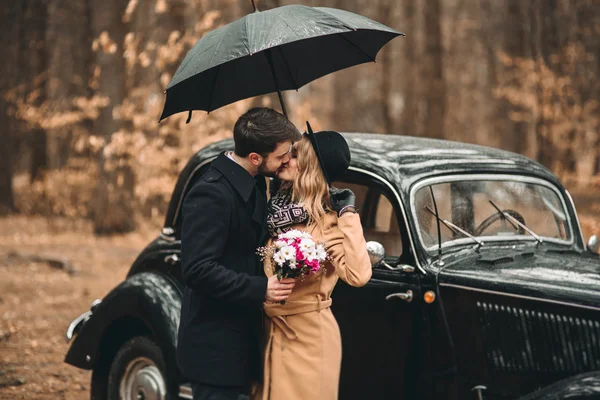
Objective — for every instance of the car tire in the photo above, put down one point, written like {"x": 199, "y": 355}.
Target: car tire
{"x": 99, "y": 382}
{"x": 139, "y": 371}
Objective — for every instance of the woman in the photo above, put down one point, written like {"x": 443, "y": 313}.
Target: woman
{"x": 303, "y": 344}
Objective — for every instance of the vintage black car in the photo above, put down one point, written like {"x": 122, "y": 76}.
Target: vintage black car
{"x": 486, "y": 290}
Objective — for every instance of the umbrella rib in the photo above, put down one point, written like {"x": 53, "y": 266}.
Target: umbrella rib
{"x": 289, "y": 26}
{"x": 215, "y": 52}
{"x": 341, "y": 21}
{"x": 357, "y": 47}
{"x": 287, "y": 65}
{"x": 247, "y": 37}
{"x": 212, "y": 90}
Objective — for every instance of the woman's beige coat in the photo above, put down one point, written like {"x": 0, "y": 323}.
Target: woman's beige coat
{"x": 303, "y": 348}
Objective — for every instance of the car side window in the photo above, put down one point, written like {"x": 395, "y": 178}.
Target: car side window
{"x": 378, "y": 217}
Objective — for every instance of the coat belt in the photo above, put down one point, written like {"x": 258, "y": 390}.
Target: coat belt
{"x": 277, "y": 313}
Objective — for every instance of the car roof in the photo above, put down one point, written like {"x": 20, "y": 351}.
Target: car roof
{"x": 401, "y": 160}
{"x": 404, "y": 160}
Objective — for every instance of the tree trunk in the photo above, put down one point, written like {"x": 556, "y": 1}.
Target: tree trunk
{"x": 11, "y": 20}
{"x": 386, "y": 78}
{"x": 514, "y": 133}
{"x": 33, "y": 66}
{"x": 345, "y": 102}
{"x": 409, "y": 109}
{"x": 432, "y": 77}
{"x": 68, "y": 41}
{"x": 113, "y": 208}
{"x": 586, "y": 154}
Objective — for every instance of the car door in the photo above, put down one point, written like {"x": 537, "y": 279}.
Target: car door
{"x": 378, "y": 323}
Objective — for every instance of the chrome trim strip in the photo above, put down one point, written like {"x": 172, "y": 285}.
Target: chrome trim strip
{"x": 404, "y": 215}
{"x": 185, "y": 391}
{"x": 519, "y": 296}
{"x": 74, "y": 325}
{"x": 167, "y": 238}
{"x": 202, "y": 164}
{"x": 490, "y": 177}
{"x": 576, "y": 217}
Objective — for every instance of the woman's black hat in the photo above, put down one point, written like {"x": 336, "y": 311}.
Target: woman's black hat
{"x": 332, "y": 151}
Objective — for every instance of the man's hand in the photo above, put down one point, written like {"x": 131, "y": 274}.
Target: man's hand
{"x": 279, "y": 290}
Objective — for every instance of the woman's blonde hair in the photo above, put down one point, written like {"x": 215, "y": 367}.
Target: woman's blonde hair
{"x": 310, "y": 188}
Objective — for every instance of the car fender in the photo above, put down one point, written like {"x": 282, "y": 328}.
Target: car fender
{"x": 150, "y": 298}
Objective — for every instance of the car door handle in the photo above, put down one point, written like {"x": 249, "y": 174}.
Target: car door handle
{"x": 172, "y": 259}
{"x": 408, "y": 296}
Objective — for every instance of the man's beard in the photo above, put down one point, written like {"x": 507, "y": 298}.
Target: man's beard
{"x": 262, "y": 170}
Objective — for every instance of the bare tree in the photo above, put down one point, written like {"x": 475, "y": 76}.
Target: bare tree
{"x": 33, "y": 66}
{"x": 432, "y": 72}
{"x": 11, "y": 23}
{"x": 113, "y": 211}
{"x": 409, "y": 70}
{"x": 69, "y": 50}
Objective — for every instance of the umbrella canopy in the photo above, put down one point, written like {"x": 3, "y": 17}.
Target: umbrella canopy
{"x": 264, "y": 52}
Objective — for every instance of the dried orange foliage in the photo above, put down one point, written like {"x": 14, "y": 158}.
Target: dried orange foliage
{"x": 558, "y": 99}
{"x": 155, "y": 152}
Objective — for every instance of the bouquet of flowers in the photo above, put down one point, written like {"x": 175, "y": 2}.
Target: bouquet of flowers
{"x": 294, "y": 254}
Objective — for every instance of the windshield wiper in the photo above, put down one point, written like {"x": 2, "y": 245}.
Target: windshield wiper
{"x": 454, "y": 228}
{"x": 514, "y": 221}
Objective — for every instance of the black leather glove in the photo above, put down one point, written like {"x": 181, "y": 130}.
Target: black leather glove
{"x": 342, "y": 200}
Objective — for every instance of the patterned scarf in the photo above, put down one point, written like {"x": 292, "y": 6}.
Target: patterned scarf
{"x": 283, "y": 214}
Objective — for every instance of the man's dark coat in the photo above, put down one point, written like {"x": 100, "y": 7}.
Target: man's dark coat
{"x": 224, "y": 221}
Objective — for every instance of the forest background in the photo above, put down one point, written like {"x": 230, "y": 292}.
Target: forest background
{"x": 82, "y": 88}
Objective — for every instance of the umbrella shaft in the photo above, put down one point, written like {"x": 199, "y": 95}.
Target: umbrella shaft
{"x": 270, "y": 59}
{"x": 282, "y": 103}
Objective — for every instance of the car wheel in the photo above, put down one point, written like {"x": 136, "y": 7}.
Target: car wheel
{"x": 138, "y": 371}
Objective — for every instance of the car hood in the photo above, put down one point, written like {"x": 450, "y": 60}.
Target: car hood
{"x": 583, "y": 386}
{"x": 566, "y": 277}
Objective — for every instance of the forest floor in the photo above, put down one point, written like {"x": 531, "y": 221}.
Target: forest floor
{"x": 39, "y": 300}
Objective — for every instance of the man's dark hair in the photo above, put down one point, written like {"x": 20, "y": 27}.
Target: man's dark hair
{"x": 260, "y": 130}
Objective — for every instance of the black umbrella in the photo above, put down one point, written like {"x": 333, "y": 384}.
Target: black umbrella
{"x": 282, "y": 48}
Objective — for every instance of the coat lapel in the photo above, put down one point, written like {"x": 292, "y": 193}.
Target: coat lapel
{"x": 259, "y": 215}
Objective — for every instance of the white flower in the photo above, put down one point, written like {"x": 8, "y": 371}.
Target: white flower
{"x": 278, "y": 258}
{"x": 291, "y": 234}
{"x": 288, "y": 252}
{"x": 311, "y": 254}
{"x": 305, "y": 235}
{"x": 321, "y": 253}
{"x": 293, "y": 265}
{"x": 306, "y": 244}
{"x": 280, "y": 243}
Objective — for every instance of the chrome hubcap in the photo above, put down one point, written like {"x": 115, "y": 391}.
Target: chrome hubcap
{"x": 142, "y": 380}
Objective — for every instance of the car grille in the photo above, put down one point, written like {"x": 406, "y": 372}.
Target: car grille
{"x": 521, "y": 340}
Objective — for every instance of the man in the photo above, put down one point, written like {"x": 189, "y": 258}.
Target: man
{"x": 224, "y": 221}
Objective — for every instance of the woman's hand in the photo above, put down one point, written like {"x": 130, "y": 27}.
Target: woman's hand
{"x": 279, "y": 290}
{"x": 342, "y": 200}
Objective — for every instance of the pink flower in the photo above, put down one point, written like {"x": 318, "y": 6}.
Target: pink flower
{"x": 299, "y": 254}
{"x": 314, "y": 265}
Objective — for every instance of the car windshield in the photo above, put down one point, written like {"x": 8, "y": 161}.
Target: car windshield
{"x": 491, "y": 209}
